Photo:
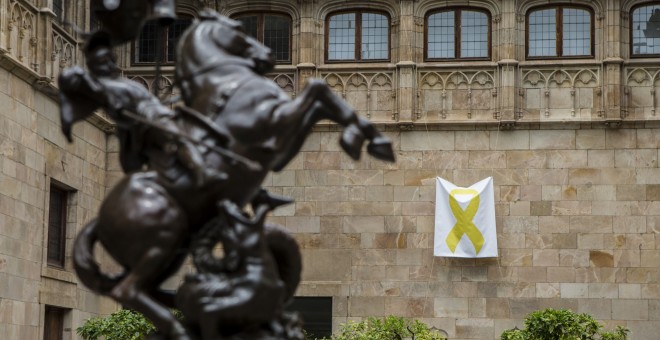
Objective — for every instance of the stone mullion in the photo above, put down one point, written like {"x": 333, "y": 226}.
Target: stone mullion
{"x": 4, "y": 15}
{"x": 406, "y": 70}
{"x": 508, "y": 33}
{"x": 613, "y": 63}
{"x": 46, "y": 19}
{"x": 310, "y": 49}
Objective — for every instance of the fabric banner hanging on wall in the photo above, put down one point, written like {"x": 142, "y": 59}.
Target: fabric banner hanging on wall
{"x": 465, "y": 220}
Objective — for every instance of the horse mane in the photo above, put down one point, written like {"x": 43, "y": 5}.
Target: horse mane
{"x": 207, "y": 14}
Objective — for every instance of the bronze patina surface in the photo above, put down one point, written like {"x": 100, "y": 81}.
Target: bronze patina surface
{"x": 191, "y": 174}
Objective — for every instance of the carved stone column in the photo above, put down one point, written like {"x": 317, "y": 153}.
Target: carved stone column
{"x": 406, "y": 67}
{"x": 309, "y": 47}
{"x": 613, "y": 89}
{"x": 506, "y": 27}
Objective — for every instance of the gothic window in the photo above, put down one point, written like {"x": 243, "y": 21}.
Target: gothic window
{"x": 58, "y": 9}
{"x": 645, "y": 30}
{"x": 560, "y": 32}
{"x": 357, "y": 36}
{"x": 156, "y": 42}
{"x": 271, "y": 29}
{"x": 56, "y": 226}
{"x": 459, "y": 33}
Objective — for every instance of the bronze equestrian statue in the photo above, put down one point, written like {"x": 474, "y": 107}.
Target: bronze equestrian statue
{"x": 190, "y": 174}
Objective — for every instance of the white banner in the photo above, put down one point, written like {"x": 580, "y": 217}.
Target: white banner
{"x": 465, "y": 220}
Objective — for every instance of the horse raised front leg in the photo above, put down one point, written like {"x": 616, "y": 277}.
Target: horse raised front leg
{"x": 356, "y": 129}
{"x": 130, "y": 292}
{"x": 317, "y": 102}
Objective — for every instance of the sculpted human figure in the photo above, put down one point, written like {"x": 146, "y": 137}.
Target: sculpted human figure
{"x": 190, "y": 174}
{"x": 147, "y": 129}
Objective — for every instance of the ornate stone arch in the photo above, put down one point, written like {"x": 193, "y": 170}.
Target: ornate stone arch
{"x": 627, "y": 5}
{"x": 378, "y": 5}
{"x": 187, "y": 8}
{"x": 424, "y": 6}
{"x": 597, "y": 6}
{"x": 236, "y": 7}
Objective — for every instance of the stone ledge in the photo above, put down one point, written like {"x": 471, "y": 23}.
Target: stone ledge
{"x": 59, "y": 275}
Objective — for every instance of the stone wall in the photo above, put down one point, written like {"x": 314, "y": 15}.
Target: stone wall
{"x": 577, "y": 221}
{"x": 34, "y": 48}
{"x": 34, "y": 153}
{"x": 576, "y": 199}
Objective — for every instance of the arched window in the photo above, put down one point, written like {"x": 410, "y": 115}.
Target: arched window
{"x": 271, "y": 29}
{"x": 148, "y": 49}
{"x": 358, "y": 36}
{"x": 58, "y": 9}
{"x": 458, "y": 33}
{"x": 645, "y": 30}
{"x": 560, "y": 32}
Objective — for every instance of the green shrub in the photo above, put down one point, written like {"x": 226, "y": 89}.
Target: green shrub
{"x": 620, "y": 333}
{"x": 120, "y": 325}
{"x": 513, "y": 334}
{"x": 552, "y": 324}
{"x": 388, "y": 328}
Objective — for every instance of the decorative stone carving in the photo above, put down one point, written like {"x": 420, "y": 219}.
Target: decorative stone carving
{"x": 457, "y": 95}
{"x": 372, "y": 94}
{"x": 63, "y": 54}
{"x": 21, "y": 33}
{"x": 560, "y": 93}
{"x": 640, "y": 91}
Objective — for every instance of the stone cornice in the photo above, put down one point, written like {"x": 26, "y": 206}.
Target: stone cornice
{"x": 46, "y": 86}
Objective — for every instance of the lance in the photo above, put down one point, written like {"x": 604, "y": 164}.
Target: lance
{"x": 250, "y": 164}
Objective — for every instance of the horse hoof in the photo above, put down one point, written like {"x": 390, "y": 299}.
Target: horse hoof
{"x": 351, "y": 141}
{"x": 381, "y": 148}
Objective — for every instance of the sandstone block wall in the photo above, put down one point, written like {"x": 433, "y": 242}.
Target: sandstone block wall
{"x": 34, "y": 153}
{"x": 577, "y": 223}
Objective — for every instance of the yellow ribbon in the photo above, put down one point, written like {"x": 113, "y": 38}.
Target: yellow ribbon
{"x": 464, "y": 224}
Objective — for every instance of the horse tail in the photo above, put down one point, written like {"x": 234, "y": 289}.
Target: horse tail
{"x": 87, "y": 269}
{"x": 287, "y": 256}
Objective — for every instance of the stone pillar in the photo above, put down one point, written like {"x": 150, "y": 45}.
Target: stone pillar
{"x": 506, "y": 26}
{"x": 46, "y": 19}
{"x": 309, "y": 52}
{"x": 613, "y": 87}
{"x": 405, "y": 66}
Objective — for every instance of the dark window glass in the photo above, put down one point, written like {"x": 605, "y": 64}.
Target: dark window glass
{"x": 58, "y": 9}
{"x": 341, "y": 36}
{"x": 147, "y": 48}
{"x": 358, "y": 36}
{"x": 56, "y": 226}
{"x": 273, "y": 30}
{"x": 559, "y": 32}
{"x": 173, "y": 34}
{"x": 467, "y": 31}
{"x": 374, "y": 36}
{"x": 316, "y": 313}
{"x": 277, "y": 35}
{"x": 441, "y": 36}
{"x": 576, "y": 32}
{"x": 250, "y": 23}
{"x": 646, "y": 30}
{"x": 54, "y": 323}
{"x": 94, "y": 22}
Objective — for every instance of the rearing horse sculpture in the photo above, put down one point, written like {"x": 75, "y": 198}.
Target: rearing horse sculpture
{"x": 149, "y": 218}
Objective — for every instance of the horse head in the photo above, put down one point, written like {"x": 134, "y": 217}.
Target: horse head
{"x": 214, "y": 41}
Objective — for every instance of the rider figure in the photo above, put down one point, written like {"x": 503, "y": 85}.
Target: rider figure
{"x": 147, "y": 129}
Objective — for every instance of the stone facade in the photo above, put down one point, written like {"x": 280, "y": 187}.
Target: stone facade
{"x": 572, "y": 145}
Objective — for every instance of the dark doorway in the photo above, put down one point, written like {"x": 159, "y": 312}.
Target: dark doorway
{"x": 316, "y": 313}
